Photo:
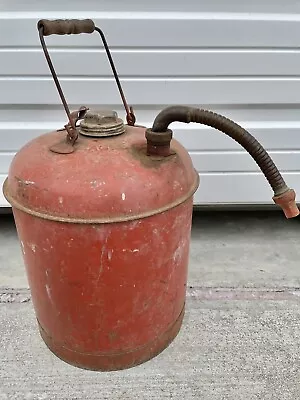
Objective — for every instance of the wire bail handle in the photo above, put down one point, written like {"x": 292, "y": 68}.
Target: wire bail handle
{"x": 68, "y": 27}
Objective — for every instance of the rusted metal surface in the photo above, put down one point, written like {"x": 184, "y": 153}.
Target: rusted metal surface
{"x": 66, "y": 27}
{"x": 161, "y": 150}
{"x": 105, "y": 231}
{"x": 283, "y": 195}
{"x": 72, "y": 133}
{"x": 104, "y": 180}
{"x": 287, "y": 201}
{"x": 108, "y": 296}
{"x": 114, "y": 361}
{"x": 159, "y": 138}
{"x": 66, "y": 146}
{"x": 106, "y": 220}
{"x": 158, "y": 143}
{"x": 105, "y": 235}
{"x": 101, "y": 124}
{"x": 130, "y": 117}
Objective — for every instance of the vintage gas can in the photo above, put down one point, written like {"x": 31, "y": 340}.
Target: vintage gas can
{"x": 103, "y": 212}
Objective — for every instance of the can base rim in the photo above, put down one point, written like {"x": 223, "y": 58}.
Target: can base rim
{"x": 110, "y": 361}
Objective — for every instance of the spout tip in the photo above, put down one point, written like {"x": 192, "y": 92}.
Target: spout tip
{"x": 288, "y": 204}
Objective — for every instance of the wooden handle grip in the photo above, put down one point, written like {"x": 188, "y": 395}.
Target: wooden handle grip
{"x": 66, "y": 26}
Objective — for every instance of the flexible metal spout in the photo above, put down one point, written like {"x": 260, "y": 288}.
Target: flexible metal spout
{"x": 159, "y": 138}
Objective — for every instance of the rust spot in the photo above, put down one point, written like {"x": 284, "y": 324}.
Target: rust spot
{"x": 139, "y": 152}
{"x": 22, "y": 187}
{"x": 112, "y": 336}
{"x": 24, "y": 183}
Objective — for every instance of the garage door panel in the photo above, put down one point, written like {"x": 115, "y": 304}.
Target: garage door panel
{"x": 242, "y": 161}
{"x": 153, "y": 91}
{"x": 161, "y": 29}
{"x": 151, "y": 63}
{"x": 239, "y": 188}
{"x": 236, "y": 6}
{"x": 236, "y": 58}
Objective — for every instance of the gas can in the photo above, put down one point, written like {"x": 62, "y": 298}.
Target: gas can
{"x": 103, "y": 211}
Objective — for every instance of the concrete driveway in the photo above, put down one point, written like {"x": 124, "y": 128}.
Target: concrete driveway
{"x": 241, "y": 333}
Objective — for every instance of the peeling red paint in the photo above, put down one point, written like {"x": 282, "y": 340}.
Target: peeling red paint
{"x": 108, "y": 292}
{"x": 128, "y": 278}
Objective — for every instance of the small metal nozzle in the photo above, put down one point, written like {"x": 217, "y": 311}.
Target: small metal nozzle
{"x": 288, "y": 204}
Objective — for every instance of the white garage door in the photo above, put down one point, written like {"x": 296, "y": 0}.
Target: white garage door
{"x": 237, "y": 57}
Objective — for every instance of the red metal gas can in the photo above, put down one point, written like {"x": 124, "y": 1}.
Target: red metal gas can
{"x": 105, "y": 237}
{"x": 103, "y": 212}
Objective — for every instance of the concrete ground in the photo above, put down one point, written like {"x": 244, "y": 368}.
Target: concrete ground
{"x": 241, "y": 333}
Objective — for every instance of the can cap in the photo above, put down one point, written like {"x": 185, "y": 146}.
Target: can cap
{"x": 101, "y": 123}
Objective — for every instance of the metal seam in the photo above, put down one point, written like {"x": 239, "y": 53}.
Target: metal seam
{"x": 73, "y": 220}
{"x": 180, "y": 317}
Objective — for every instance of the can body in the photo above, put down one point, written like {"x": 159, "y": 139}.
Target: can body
{"x": 105, "y": 234}
{"x": 108, "y": 296}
